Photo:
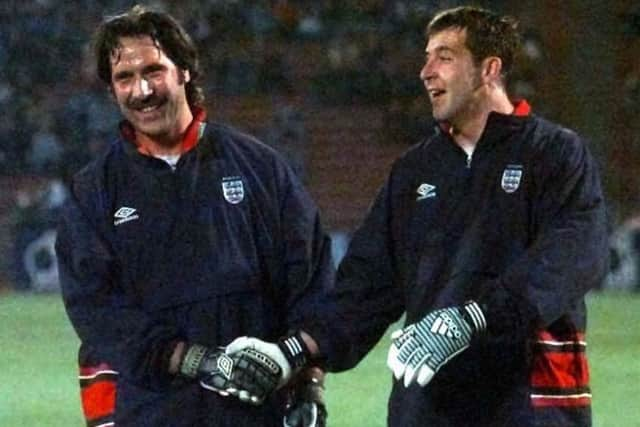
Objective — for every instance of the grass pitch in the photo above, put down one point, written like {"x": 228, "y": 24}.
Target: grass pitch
{"x": 38, "y": 385}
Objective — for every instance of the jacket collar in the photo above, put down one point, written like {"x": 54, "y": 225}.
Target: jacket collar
{"x": 498, "y": 125}
{"x": 191, "y": 138}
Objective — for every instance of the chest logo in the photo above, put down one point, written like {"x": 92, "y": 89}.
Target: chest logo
{"x": 511, "y": 178}
{"x": 426, "y": 191}
{"x": 124, "y": 214}
{"x": 232, "y": 189}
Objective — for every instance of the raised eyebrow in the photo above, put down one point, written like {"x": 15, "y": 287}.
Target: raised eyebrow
{"x": 122, "y": 75}
{"x": 153, "y": 67}
{"x": 146, "y": 70}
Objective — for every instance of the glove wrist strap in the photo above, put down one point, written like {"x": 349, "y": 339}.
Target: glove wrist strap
{"x": 295, "y": 350}
{"x": 191, "y": 360}
{"x": 474, "y": 315}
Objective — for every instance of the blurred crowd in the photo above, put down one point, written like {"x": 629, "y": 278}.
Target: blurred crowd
{"x": 56, "y": 115}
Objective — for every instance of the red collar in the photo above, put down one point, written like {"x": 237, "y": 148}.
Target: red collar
{"x": 521, "y": 108}
{"x": 191, "y": 135}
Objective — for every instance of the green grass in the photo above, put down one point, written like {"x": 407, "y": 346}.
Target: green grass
{"x": 38, "y": 383}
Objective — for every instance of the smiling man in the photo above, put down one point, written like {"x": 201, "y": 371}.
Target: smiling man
{"x": 486, "y": 236}
{"x": 183, "y": 235}
{"x": 149, "y": 89}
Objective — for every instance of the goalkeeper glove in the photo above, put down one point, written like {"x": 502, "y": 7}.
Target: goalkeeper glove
{"x": 198, "y": 361}
{"x": 305, "y": 401}
{"x": 289, "y": 354}
{"x": 252, "y": 373}
{"x": 419, "y": 350}
{"x": 251, "y": 376}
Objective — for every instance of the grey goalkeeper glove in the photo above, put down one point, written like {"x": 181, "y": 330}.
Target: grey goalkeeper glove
{"x": 419, "y": 350}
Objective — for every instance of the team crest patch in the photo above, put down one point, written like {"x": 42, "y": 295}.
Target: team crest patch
{"x": 512, "y": 178}
{"x": 233, "y": 189}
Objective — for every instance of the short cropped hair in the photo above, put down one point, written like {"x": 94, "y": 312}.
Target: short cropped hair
{"x": 488, "y": 34}
{"x": 165, "y": 32}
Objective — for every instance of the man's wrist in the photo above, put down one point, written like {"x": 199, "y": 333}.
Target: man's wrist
{"x": 474, "y": 315}
{"x": 295, "y": 350}
{"x": 177, "y": 350}
{"x": 192, "y": 358}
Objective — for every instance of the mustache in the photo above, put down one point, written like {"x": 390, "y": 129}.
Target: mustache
{"x": 137, "y": 103}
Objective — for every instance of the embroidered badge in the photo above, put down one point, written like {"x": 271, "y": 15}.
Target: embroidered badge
{"x": 426, "y": 191}
{"x": 232, "y": 189}
{"x": 124, "y": 214}
{"x": 511, "y": 178}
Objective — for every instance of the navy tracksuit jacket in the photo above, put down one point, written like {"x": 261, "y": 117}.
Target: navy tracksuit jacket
{"x": 228, "y": 244}
{"x": 519, "y": 227}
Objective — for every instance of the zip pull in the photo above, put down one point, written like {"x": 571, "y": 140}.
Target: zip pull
{"x": 469, "y": 161}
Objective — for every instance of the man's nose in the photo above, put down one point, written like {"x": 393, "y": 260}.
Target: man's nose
{"x": 142, "y": 89}
{"x": 426, "y": 72}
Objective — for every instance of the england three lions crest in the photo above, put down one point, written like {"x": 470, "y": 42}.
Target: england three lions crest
{"x": 512, "y": 178}
{"x": 233, "y": 189}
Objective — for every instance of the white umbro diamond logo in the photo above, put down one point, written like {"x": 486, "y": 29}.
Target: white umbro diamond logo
{"x": 124, "y": 214}
{"x": 426, "y": 191}
{"x": 225, "y": 365}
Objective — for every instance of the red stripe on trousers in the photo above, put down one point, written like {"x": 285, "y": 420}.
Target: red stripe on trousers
{"x": 98, "y": 399}
{"x": 548, "y": 336}
{"x": 92, "y": 370}
{"x": 560, "y": 370}
{"x": 540, "y": 402}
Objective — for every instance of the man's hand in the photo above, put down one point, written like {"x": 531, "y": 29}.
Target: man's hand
{"x": 419, "y": 350}
{"x": 249, "y": 375}
{"x": 305, "y": 400}
{"x": 198, "y": 361}
{"x": 289, "y": 355}
{"x": 202, "y": 362}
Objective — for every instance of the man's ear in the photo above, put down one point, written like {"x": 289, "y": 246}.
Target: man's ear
{"x": 186, "y": 76}
{"x": 492, "y": 69}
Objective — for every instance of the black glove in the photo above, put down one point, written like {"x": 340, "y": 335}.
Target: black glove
{"x": 305, "y": 401}
{"x": 249, "y": 375}
{"x": 252, "y": 377}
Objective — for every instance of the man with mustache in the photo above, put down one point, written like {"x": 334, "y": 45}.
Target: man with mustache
{"x": 182, "y": 236}
{"x": 486, "y": 236}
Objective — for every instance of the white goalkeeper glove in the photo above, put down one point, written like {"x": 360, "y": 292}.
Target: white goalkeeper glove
{"x": 290, "y": 354}
{"x": 419, "y": 350}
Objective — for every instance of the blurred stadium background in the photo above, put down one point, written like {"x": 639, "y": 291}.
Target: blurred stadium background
{"x": 334, "y": 86}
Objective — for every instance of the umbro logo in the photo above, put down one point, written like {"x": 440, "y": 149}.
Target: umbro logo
{"x": 426, "y": 191}
{"x": 225, "y": 365}
{"x": 124, "y": 214}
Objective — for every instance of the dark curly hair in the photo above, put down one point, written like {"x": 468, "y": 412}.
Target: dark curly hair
{"x": 488, "y": 34}
{"x": 166, "y": 33}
